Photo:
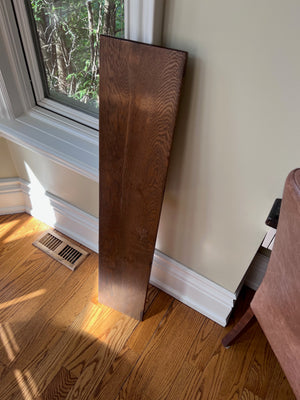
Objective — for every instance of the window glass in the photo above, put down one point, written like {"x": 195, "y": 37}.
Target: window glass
{"x": 67, "y": 38}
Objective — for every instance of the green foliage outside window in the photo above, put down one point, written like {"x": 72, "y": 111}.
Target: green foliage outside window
{"x": 69, "y": 33}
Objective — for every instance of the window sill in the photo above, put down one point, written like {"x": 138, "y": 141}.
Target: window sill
{"x": 66, "y": 142}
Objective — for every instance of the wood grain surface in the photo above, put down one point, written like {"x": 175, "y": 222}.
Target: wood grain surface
{"x": 56, "y": 343}
{"x": 139, "y": 95}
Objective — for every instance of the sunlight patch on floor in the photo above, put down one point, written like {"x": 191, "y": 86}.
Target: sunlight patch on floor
{"x": 9, "y": 227}
{"x": 4, "y": 336}
{"x": 26, "y": 384}
{"x": 11, "y": 337}
{"x": 20, "y": 299}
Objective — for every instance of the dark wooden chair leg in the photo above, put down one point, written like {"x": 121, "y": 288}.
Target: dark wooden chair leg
{"x": 244, "y": 323}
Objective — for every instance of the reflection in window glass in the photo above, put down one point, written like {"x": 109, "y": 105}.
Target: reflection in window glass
{"x": 68, "y": 35}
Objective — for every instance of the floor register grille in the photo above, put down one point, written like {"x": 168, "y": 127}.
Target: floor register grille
{"x": 61, "y": 249}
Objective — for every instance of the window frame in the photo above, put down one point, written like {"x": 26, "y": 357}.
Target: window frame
{"x": 28, "y": 118}
{"x": 35, "y": 74}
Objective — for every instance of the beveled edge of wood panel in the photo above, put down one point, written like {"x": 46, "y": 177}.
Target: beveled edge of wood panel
{"x": 144, "y": 44}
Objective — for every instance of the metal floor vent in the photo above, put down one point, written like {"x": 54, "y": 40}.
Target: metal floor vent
{"x": 61, "y": 249}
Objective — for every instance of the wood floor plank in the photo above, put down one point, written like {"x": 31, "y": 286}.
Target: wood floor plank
{"x": 142, "y": 396}
{"x": 5, "y": 217}
{"x": 248, "y": 395}
{"x": 235, "y": 366}
{"x": 206, "y": 343}
{"x": 163, "y": 357}
{"x": 26, "y": 293}
{"x": 2, "y": 367}
{"x": 30, "y": 290}
{"x": 261, "y": 367}
{"x": 8, "y": 218}
{"x": 103, "y": 356}
{"x": 46, "y": 327}
{"x": 19, "y": 232}
{"x": 205, "y": 366}
{"x": 110, "y": 385}
{"x": 200, "y": 372}
{"x": 145, "y": 330}
{"x": 99, "y": 339}
{"x": 13, "y": 271}
{"x": 61, "y": 345}
{"x": 200, "y": 362}
{"x": 205, "y": 382}
{"x": 9, "y": 223}
{"x": 74, "y": 345}
{"x": 60, "y": 385}
{"x": 186, "y": 385}
{"x": 279, "y": 387}
{"x": 152, "y": 292}
{"x": 16, "y": 251}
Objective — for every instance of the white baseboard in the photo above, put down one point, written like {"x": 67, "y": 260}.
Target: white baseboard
{"x": 187, "y": 286}
{"x": 12, "y": 198}
{"x": 192, "y": 289}
{"x": 16, "y": 196}
{"x": 75, "y": 223}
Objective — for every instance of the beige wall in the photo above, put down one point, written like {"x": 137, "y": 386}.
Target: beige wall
{"x": 57, "y": 180}
{"x": 238, "y": 132}
{"x": 7, "y": 167}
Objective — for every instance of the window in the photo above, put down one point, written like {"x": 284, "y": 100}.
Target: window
{"x": 62, "y": 133}
{"x": 67, "y": 36}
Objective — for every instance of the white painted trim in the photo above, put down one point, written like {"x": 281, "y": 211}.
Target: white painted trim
{"x": 12, "y": 199}
{"x": 187, "y": 286}
{"x": 192, "y": 289}
{"x": 143, "y": 20}
{"x": 72, "y": 128}
{"x": 21, "y": 14}
{"x": 75, "y": 223}
{"x": 6, "y": 109}
{"x": 15, "y": 197}
{"x": 15, "y": 63}
{"x": 71, "y": 113}
{"x": 268, "y": 241}
{"x": 63, "y": 141}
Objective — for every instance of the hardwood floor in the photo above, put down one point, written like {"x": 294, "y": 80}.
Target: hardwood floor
{"x": 57, "y": 342}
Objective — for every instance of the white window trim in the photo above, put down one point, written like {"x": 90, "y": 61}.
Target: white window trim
{"x": 69, "y": 143}
{"x": 143, "y": 20}
{"x": 12, "y": 62}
